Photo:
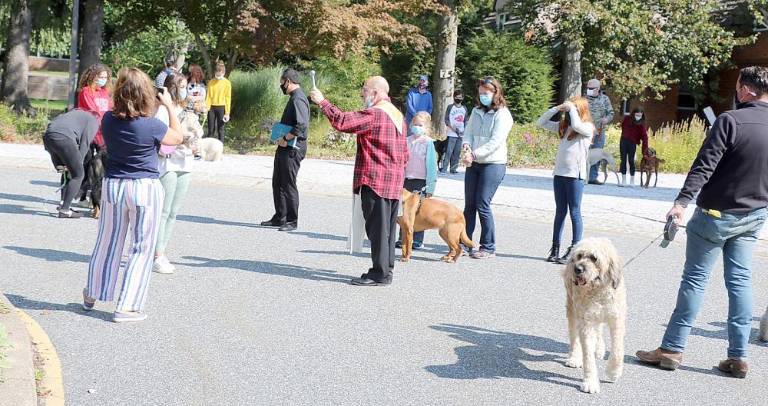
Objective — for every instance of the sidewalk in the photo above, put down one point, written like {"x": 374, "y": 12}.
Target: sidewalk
{"x": 17, "y": 382}
{"x": 525, "y": 193}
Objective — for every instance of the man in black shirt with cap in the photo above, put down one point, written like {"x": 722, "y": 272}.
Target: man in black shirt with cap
{"x": 291, "y": 149}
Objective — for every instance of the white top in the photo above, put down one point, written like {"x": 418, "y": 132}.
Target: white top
{"x": 571, "y": 160}
{"x": 456, "y": 118}
{"x": 486, "y": 134}
{"x": 181, "y": 160}
{"x": 417, "y": 163}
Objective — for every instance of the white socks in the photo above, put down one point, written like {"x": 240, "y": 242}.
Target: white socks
{"x": 623, "y": 180}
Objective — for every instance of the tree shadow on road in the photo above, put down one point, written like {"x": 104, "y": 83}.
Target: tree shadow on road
{"x": 49, "y": 183}
{"x": 209, "y": 220}
{"x": 17, "y": 209}
{"x": 28, "y": 304}
{"x": 49, "y": 254}
{"x": 24, "y": 198}
{"x": 268, "y": 268}
{"x": 319, "y": 236}
{"x": 498, "y": 354}
{"x": 722, "y": 332}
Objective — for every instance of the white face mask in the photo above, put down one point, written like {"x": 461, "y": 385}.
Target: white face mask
{"x": 592, "y": 92}
{"x": 638, "y": 117}
{"x": 219, "y": 77}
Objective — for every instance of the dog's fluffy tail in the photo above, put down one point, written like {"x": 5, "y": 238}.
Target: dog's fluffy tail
{"x": 465, "y": 238}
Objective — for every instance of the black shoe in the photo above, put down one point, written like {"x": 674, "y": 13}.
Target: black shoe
{"x": 554, "y": 253}
{"x": 595, "y": 182}
{"x": 70, "y": 215}
{"x": 454, "y": 172}
{"x": 272, "y": 223}
{"x": 562, "y": 260}
{"x": 369, "y": 282}
{"x": 417, "y": 246}
{"x": 399, "y": 244}
{"x": 288, "y": 226}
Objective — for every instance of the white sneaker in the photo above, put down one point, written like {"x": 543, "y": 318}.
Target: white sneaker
{"x": 163, "y": 265}
{"x": 623, "y": 181}
{"x": 631, "y": 181}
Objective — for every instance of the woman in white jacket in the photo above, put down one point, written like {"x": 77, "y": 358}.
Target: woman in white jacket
{"x": 576, "y": 130}
{"x": 485, "y": 146}
{"x": 175, "y": 166}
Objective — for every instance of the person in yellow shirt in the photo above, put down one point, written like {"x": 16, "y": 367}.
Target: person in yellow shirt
{"x": 218, "y": 100}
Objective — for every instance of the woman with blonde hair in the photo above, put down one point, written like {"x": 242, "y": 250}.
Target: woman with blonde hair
{"x": 421, "y": 170}
{"x": 132, "y": 197}
{"x": 576, "y": 130}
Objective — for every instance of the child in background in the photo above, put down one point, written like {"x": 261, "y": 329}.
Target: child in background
{"x": 421, "y": 171}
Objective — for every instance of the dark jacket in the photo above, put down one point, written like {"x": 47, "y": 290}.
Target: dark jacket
{"x": 296, "y": 115}
{"x": 731, "y": 169}
{"x": 78, "y": 125}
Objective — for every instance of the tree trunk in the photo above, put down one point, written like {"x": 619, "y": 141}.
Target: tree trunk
{"x": 443, "y": 77}
{"x": 181, "y": 56}
{"x": 14, "y": 86}
{"x": 93, "y": 31}
{"x": 206, "y": 55}
{"x": 570, "y": 83}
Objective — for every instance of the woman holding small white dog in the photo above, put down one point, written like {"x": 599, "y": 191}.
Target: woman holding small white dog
{"x": 576, "y": 130}
{"x": 175, "y": 165}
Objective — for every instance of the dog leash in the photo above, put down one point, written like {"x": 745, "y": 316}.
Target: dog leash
{"x": 626, "y": 265}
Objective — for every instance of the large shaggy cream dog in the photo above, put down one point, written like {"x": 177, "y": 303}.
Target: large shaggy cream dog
{"x": 210, "y": 149}
{"x": 596, "y": 296}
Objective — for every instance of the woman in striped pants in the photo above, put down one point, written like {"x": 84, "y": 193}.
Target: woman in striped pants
{"x": 132, "y": 196}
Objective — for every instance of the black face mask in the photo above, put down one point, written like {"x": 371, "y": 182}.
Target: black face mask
{"x": 458, "y": 101}
{"x": 284, "y": 87}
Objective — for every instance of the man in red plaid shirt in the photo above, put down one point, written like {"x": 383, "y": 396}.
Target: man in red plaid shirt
{"x": 382, "y": 153}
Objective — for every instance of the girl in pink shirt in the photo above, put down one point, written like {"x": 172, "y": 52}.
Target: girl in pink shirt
{"x": 95, "y": 95}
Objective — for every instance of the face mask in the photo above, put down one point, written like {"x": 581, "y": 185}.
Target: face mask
{"x": 458, "y": 101}
{"x": 101, "y": 82}
{"x": 486, "y": 100}
{"x": 284, "y": 87}
{"x": 417, "y": 130}
{"x": 219, "y": 77}
{"x": 638, "y": 117}
{"x": 183, "y": 94}
{"x": 592, "y": 92}
{"x": 368, "y": 102}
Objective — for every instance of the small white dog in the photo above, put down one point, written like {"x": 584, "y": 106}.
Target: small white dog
{"x": 597, "y": 155}
{"x": 763, "y": 335}
{"x": 596, "y": 296}
{"x": 210, "y": 149}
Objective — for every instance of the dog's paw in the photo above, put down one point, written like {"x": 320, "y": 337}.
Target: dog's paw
{"x": 574, "y": 362}
{"x": 403, "y": 259}
{"x": 590, "y": 386}
{"x": 613, "y": 373}
{"x": 448, "y": 259}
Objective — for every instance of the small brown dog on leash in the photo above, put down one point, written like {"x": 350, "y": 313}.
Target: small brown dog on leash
{"x": 428, "y": 213}
{"x": 650, "y": 164}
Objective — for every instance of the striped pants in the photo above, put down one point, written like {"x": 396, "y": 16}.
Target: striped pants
{"x": 127, "y": 205}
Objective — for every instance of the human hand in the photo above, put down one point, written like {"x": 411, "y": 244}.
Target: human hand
{"x": 604, "y": 121}
{"x": 677, "y": 213}
{"x": 282, "y": 142}
{"x": 165, "y": 97}
{"x": 226, "y": 118}
{"x": 316, "y": 96}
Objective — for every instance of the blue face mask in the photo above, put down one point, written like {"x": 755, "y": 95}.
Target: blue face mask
{"x": 101, "y": 82}
{"x": 417, "y": 130}
{"x": 183, "y": 94}
{"x": 486, "y": 100}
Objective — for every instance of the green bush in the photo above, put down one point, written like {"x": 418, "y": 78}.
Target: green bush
{"x": 14, "y": 128}
{"x": 257, "y": 103}
{"x": 530, "y": 146}
{"x": 340, "y": 80}
{"x": 678, "y": 144}
{"x": 525, "y": 72}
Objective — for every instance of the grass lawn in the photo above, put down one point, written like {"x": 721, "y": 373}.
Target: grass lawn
{"x": 49, "y": 104}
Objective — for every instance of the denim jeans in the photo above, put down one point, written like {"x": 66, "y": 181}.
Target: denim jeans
{"x": 597, "y": 142}
{"x": 568, "y": 192}
{"x": 734, "y": 235}
{"x": 480, "y": 184}
{"x": 452, "y": 154}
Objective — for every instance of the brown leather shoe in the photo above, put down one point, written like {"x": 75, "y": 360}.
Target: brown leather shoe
{"x": 668, "y": 360}
{"x": 736, "y": 367}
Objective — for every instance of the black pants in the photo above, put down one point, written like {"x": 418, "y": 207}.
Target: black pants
{"x": 414, "y": 185}
{"x": 452, "y": 154}
{"x": 284, "y": 190}
{"x": 380, "y": 220}
{"x": 64, "y": 151}
{"x": 216, "y": 122}
{"x": 627, "y": 151}
{"x": 440, "y": 149}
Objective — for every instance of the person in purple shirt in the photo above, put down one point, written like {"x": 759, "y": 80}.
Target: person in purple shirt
{"x": 132, "y": 197}
{"x": 419, "y": 98}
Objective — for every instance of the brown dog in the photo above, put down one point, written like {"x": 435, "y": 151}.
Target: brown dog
{"x": 426, "y": 214}
{"x": 650, "y": 164}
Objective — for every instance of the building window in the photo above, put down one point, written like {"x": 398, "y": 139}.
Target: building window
{"x": 625, "y": 107}
{"x": 686, "y": 105}
{"x": 501, "y": 19}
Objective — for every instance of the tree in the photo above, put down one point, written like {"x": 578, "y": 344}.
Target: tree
{"x": 640, "y": 47}
{"x": 92, "y": 34}
{"x": 14, "y": 81}
{"x": 445, "y": 64}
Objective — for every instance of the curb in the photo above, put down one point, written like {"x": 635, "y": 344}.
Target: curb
{"x": 18, "y": 382}
{"x": 51, "y": 385}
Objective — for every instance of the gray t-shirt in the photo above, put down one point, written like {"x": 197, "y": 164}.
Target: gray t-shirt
{"x": 79, "y": 125}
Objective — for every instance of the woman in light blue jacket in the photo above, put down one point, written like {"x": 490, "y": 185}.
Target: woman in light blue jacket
{"x": 485, "y": 146}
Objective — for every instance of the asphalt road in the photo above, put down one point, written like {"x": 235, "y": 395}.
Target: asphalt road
{"x": 254, "y": 316}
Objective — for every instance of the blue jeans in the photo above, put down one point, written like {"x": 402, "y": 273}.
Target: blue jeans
{"x": 597, "y": 142}
{"x": 452, "y": 154}
{"x": 734, "y": 235}
{"x": 568, "y": 192}
{"x": 480, "y": 184}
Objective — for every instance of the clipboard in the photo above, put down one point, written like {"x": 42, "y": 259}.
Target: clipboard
{"x": 279, "y": 130}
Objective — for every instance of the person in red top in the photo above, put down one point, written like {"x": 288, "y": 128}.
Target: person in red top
{"x": 382, "y": 153}
{"x": 95, "y": 96}
{"x": 633, "y": 132}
